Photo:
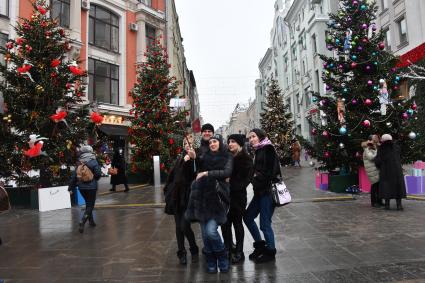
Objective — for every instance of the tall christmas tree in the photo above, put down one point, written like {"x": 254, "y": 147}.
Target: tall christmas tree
{"x": 362, "y": 89}
{"x": 276, "y": 121}
{"x": 42, "y": 122}
{"x": 157, "y": 128}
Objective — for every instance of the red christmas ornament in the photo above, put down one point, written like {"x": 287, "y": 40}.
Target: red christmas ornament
{"x": 59, "y": 116}
{"x": 368, "y": 102}
{"x": 25, "y": 68}
{"x": 9, "y": 45}
{"x": 353, "y": 65}
{"x": 414, "y": 106}
{"x": 35, "y": 150}
{"x": 96, "y": 118}
{"x": 381, "y": 45}
{"x": 366, "y": 123}
{"x": 61, "y": 32}
{"x": 76, "y": 71}
{"x": 162, "y": 166}
{"x": 42, "y": 10}
{"x": 53, "y": 75}
{"x": 19, "y": 41}
{"x": 28, "y": 48}
{"x": 68, "y": 85}
{"x": 55, "y": 63}
{"x": 171, "y": 141}
{"x": 327, "y": 154}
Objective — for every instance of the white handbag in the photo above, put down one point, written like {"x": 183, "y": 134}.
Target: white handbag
{"x": 280, "y": 194}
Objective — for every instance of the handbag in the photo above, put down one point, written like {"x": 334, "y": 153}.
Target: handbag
{"x": 280, "y": 194}
{"x": 113, "y": 171}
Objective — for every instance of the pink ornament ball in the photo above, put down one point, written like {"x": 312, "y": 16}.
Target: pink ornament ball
{"x": 381, "y": 46}
{"x": 327, "y": 154}
{"x": 368, "y": 102}
{"x": 414, "y": 106}
{"x": 405, "y": 116}
{"x": 364, "y": 26}
{"x": 366, "y": 123}
{"x": 369, "y": 82}
{"x": 354, "y": 101}
{"x": 325, "y": 134}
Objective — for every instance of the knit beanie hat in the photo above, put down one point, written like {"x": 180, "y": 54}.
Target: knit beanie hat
{"x": 207, "y": 127}
{"x": 220, "y": 140}
{"x": 238, "y": 138}
{"x": 260, "y": 133}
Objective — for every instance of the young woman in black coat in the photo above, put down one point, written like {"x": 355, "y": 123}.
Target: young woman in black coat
{"x": 176, "y": 191}
{"x": 240, "y": 179}
{"x": 391, "y": 179}
{"x": 118, "y": 162}
{"x": 209, "y": 201}
{"x": 266, "y": 170}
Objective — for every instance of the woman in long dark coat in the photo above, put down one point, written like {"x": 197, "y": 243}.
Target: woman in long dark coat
{"x": 240, "y": 179}
{"x": 118, "y": 162}
{"x": 391, "y": 180}
{"x": 176, "y": 191}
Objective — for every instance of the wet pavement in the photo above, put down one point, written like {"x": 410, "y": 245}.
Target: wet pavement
{"x": 318, "y": 240}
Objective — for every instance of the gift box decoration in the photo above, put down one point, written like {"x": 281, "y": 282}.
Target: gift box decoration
{"x": 414, "y": 184}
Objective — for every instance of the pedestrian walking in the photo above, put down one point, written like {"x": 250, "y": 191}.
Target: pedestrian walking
{"x": 240, "y": 179}
{"x": 176, "y": 191}
{"x": 370, "y": 149}
{"x": 209, "y": 201}
{"x": 391, "y": 180}
{"x": 85, "y": 177}
{"x": 266, "y": 171}
{"x": 296, "y": 152}
{"x": 118, "y": 166}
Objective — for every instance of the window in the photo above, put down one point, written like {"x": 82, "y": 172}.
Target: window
{"x": 288, "y": 102}
{"x": 304, "y": 69}
{"x": 314, "y": 43}
{"x": 103, "y": 29}
{"x": 402, "y": 30}
{"x": 61, "y": 11}
{"x": 150, "y": 35}
{"x": 317, "y": 79}
{"x": 384, "y": 4}
{"x": 387, "y": 38}
{"x": 4, "y": 8}
{"x": 3, "y": 40}
{"x": 103, "y": 82}
{"x": 298, "y": 103}
{"x": 307, "y": 94}
{"x": 146, "y": 2}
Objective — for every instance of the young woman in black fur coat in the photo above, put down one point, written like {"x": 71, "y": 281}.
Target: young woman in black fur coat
{"x": 209, "y": 201}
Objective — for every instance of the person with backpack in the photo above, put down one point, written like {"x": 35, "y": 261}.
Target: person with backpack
{"x": 266, "y": 171}
{"x": 85, "y": 177}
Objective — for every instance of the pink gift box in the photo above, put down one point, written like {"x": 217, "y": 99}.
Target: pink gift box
{"x": 419, "y": 165}
{"x": 322, "y": 180}
{"x": 364, "y": 183}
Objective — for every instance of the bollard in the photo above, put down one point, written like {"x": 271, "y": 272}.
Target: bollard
{"x": 156, "y": 172}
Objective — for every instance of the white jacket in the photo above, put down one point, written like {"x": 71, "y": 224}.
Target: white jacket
{"x": 369, "y": 164}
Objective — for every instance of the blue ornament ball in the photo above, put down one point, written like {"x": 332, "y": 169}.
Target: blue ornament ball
{"x": 354, "y": 57}
{"x": 397, "y": 78}
{"x": 343, "y": 130}
{"x": 363, "y": 7}
{"x": 410, "y": 112}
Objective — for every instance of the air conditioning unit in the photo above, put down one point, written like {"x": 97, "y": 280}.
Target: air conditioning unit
{"x": 85, "y": 5}
{"x": 133, "y": 27}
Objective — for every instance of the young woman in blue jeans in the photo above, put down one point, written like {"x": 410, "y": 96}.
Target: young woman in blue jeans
{"x": 266, "y": 170}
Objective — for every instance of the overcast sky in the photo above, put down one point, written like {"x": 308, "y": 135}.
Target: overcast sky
{"x": 224, "y": 41}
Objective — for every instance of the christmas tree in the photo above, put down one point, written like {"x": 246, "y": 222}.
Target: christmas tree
{"x": 43, "y": 121}
{"x": 362, "y": 90}
{"x": 157, "y": 128}
{"x": 276, "y": 121}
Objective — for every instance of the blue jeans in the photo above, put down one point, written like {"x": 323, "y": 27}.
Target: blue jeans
{"x": 211, "y": 237}
{"x": 264, "y": 206}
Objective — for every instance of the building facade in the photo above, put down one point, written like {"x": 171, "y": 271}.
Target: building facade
{"x": 110, "y": 37}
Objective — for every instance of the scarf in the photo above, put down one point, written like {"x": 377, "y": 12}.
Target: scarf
{"x": 263, "y": 143}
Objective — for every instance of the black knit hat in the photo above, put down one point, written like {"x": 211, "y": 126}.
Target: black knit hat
{"x": 207, "y": 127}
{"x": 260, "y": 133}
{"x": 238, "y": 138}
{"x": 220, "y": 140}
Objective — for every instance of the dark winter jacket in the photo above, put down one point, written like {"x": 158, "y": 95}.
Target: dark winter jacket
{"x": 205, "y": 146}
{"x": 92, "y": 185}
{"x": 177, "y": 187}
{"x": 391, "y": 180}
{"x": 118, "y": 162}
{"x": 266, "y": 169}
{"x": 210, "y": 196}
{"x": 240, "y": 179}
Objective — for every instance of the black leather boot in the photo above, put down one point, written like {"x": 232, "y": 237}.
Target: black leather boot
{"x": 91, "y": 221}
{"x": 399, "y": 206}
{"x": 266, "y": 256}
{"x": 194, "y": 253}
{"x": 387, "y": 204}
{"x": 258, "y": 249}
{"x": 182, "y": 257}
{"x": 238, "y": 257}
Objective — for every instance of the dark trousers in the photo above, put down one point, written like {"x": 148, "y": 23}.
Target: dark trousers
{"x": 374, "y": 194}
{"x": 90, "y": 199}
{"x": 233, "y": 218}
{"x": 125, "y": 186}
{"x": 183, "y": 229}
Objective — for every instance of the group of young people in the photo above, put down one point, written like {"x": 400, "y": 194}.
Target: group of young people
{"x": 209, "y": 186}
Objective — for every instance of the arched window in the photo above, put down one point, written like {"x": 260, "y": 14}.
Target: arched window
{"x": 103, "y": 29}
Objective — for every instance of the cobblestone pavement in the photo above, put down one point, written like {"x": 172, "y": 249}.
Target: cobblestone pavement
{"x": 326, "y": 241}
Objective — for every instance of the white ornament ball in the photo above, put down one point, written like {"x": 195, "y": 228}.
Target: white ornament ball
{"x": 412, "y": 135}
{"x": 341, "y": 145}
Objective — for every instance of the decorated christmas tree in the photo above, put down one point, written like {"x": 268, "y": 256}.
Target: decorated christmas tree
{"x": 157, "y": 126}
{"x": 276, "y": 121}
{"x": 42, "y": 121}
{"x": 362, "y": 90}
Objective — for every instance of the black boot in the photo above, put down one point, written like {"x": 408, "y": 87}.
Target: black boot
{"x": 82, "y": 223}
{"x": 258, "y": 249}
{"x": 399, "y": 206}
{"x": 266, "y": 256}
{"x": 238, "y": 257}
{"x": 194, "y": 253}
{"x": 387, "y": 204}
{"x": 182, "y": 257}
{"x": 126, "y": 188}
{"x": 91, "y": 221}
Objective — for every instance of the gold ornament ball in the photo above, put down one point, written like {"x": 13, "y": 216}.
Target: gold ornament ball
{"x": 39, "y": 89}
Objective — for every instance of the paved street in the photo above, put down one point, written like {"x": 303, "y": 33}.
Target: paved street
{"x": 317, "y": 241}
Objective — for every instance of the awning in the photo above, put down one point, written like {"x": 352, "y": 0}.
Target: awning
{"x": 412, "y": 56}
{"x": 114, "y": 130}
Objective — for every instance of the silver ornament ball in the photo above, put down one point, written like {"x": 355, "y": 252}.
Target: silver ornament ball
{"x": 412, "y": 135}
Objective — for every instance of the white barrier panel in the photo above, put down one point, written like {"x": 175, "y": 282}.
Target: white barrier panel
{"x": 53, "y": 198}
